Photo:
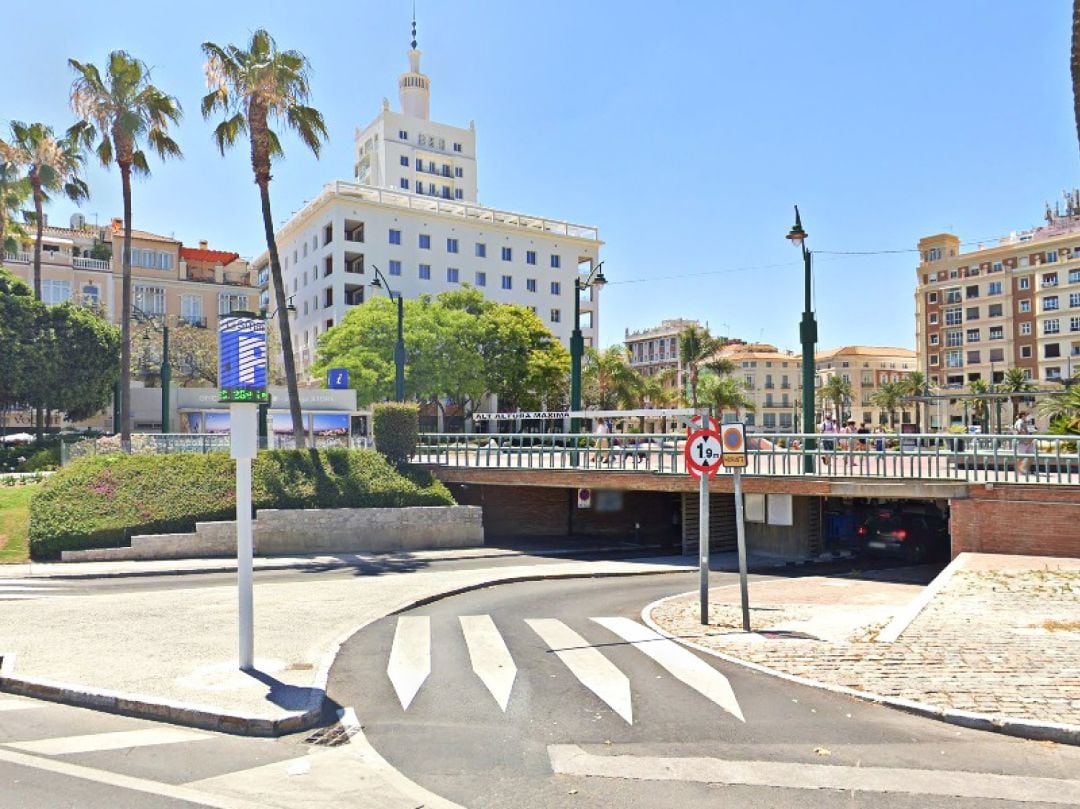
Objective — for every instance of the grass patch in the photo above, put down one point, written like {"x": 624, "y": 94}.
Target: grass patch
{"x": 15, "y": 522}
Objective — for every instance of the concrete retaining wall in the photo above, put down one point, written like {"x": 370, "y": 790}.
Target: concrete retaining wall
{"x": 312, "y": 531}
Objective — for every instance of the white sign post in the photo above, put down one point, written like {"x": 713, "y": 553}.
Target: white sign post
{"x": 703, "y": 454}
{"x": 733, "y": 439}
{"x": 244, "y": 441}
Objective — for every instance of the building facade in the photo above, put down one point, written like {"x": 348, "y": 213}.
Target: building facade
{"x": 772, "y": 380}
{"x": 655, "y": 350}
{"x": 866, "y": 369}
{"x": 412, "y": 213}
{"x": 1013, "y": 304}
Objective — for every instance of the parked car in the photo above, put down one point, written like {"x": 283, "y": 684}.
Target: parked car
{"x": 912, "y": 535}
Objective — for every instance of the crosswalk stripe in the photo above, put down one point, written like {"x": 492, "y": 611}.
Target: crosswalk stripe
{"x": 410, "y": 656}
{"x": 119, "y": 740}
{"x": 595, "y": 671}
{"x": 490, "y": 658}
{"x": 679, "y": 662}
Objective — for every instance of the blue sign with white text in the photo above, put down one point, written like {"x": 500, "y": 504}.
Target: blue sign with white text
{"x": 337, "y": 378}
{"x": 242, "y": 359}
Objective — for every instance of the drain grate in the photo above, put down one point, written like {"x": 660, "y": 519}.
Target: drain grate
{"x": 333, "y": 736}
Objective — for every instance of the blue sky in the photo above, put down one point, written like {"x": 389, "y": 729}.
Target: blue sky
{"x": 685, "y": 133}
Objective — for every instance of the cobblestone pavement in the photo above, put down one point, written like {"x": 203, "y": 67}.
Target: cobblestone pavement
{"x": 1002, "y": 637}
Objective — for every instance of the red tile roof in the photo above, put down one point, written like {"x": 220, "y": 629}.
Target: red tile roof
{"x": 210, "y": 256}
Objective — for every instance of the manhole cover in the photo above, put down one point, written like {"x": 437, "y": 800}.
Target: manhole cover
{"x": 332, "y": 736}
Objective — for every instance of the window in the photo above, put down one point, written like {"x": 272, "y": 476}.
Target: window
{"x": 530, "y": 256}
{"x": 451, "y": 245}
{"x": 419, "y": 166}
{"x": 53, "y": 292}
{"x": 481, "y": 250}
{"x": 404, "y": 183}
{"x": 973, "y": 335}
{"x": 954, "y": 337}
{"x": 954, "y": 359}
{"x": 1051, "y": 256}
{"x": 996, "y": 267}
{"x": 997, "y": 355}
{"x": 972, "y": 313}
{"x": 458, "y": 194}
{"x": 972, "y": 291}
{"x": 425, "y": 241}
{"x": 933, "y": 318}
{"x": 1074, "y": 276}
{"x": 425, "y": 272}
{"x": 1074, "y": 299}
{"x": 1052, "y": 351}
{"x": 1025, "y": 306}
{"x": 403, "y": 134}
{"x": 151, "y": 259}
{"x": 404, "y": 160}
{"x": 997, "y": 333}
{"x": 1051, "y": 326}
{"x": 1050, "y": 303}
{"x": 994, "y": 310}
{"x": 933, "y": 254}
{"x": 952, "y": 295}
{"x": 191, "y": 310}
{"x": 931, "y": 297}
{"x": 934, "y": 359}
{"x": 395, "y": 267}
{"x": 507, "y": 254}
{"x": 556, "y": 288}
{"x": 91, "y": 295}
{"x": 556, "y": 316}
{"x": 993, "y": 288}
{"x": 457, "y": 171}
{"x": 530, "y": 284}
{"x": 933, "y": 339}
{"x": 395, "y": 236}
{"x": 973, "y": 358}
{"x": 1074, "y": 324}
{"x": 507, "y": 282}
{"x": 1023, "y": 283}
{"x": 1025, "y": 329}
{"x": 233, "y": 302}
{"x": 555, "y": 262}
{"x": 457, "y": 147}
{"x": 150, "y": 300}
{"x": 1025, "y": 352}
{"x": 954, "y": 316}
{"x": 481, "y": 279}
{"x": 1050, "y": 279}
{"x": 452, "y": 275}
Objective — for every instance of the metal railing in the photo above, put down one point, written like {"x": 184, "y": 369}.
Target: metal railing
{"x": 875, "y": 456}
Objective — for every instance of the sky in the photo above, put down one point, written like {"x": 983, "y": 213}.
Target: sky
{"x": 686, "y": 133}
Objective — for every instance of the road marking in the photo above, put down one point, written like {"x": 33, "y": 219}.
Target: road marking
{"x": 595, "y": 671}
{"x": 12, "y": 704}
{"x": 120, "y": 740}
{"x": 126, "y": 781}
{"x": 570, "y": 759}
{"x": 23, "y": 590}
{"x": 490, "y": 658}
{"x": 410, "y": 656}
{"x": 679, "y": 662}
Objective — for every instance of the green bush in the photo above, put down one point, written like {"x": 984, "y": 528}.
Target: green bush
{"x": 42, "y": 460}
{"x": 102, "y": 501}
{"x": 396, "y": 427}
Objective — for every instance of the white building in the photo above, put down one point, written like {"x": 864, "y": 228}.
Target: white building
{"x": 412, "y": 212}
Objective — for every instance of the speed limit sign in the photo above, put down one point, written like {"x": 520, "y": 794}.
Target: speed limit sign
{"x": 703, "y": 453}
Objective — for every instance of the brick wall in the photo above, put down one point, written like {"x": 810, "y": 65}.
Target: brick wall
{"x": 1017, "y": 519}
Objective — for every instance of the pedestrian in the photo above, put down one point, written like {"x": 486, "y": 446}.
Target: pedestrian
{"x": 828, "y": 445}
{"x": 845, "y": 443}
{"x": 1024, "y": 447}
{"x": 601, "y": 430}
{"x": 879, "y": 438}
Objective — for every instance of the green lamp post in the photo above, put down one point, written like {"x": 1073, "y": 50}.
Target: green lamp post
{"x": 808, "y": 337}
{"x": 577, "y": 343}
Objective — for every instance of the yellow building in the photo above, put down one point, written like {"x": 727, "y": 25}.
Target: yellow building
{"x": 866, "y": 368}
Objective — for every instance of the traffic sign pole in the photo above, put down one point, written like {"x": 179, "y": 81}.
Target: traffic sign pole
{"x": 703, "y": 535}
{"x": 740, "y": 534}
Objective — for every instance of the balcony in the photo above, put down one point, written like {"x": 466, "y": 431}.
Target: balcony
{"x": 193, "y": 320}
{"x": 55, "y": 257}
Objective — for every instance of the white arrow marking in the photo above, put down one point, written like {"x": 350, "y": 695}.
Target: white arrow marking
{"x": 490, "y": 658}
{"x": 595, "y": 671}
{"x": 679, "y": 661}
{"x": 410, "y": 656}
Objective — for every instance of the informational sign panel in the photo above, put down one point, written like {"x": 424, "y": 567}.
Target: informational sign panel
{"x": 242, "y": 360}
{"x": 733, "y": 439}
{"x": 337, "y": 378}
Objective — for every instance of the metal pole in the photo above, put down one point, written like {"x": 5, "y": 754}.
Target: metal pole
{"x": 244, "y": 552}
{"x": 166, "y": 379}
{"x": 399, "y": 351}
{"x": 740, "y": 534}
{"x": 808, "y": 336}
{"x": 577, "y": 348}
{"x": 703, "y": 544}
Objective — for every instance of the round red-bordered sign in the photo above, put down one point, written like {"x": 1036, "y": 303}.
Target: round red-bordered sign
{"x": 714, "y": 425}
{"x": 703, "y": 453}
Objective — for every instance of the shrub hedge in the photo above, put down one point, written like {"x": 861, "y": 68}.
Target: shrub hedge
{"x": 396, "y": 427}
{"x": 102, "y": 501}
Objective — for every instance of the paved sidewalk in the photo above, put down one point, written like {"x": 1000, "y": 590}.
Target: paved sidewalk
{"x": 1000, "y": 639}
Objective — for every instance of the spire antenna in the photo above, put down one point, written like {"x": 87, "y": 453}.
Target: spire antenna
{"x": 413, "y": 26}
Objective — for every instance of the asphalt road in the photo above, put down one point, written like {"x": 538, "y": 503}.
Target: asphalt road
{"x": 592, "y": 720}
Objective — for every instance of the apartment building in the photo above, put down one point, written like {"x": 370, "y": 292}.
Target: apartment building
{"x": 772, "y": 380}
{"x": 1013, "y": 304}
{"x": 654, "y": 350}
{"x": 866, "y": 368}
{"x": 412, "y": 213}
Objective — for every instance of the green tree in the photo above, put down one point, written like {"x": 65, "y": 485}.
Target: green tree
{"x": 888, "y": 398}
{"x": 836, "y": 391}
{"x": 1063, "y": 411}
{"x": 697, "y": 350}
{"x": 914, "y": 384}
{"x": 723, "y": 392}
{"x": 254, "y": 88}
{"x": 118, "y": 112}
{"x": 83, "y": 380}
{"x": 19, "y": 313}
{"x": 14, "y": 191}
{"x": 52, "y": 165}
{"x": 193, "y": 354}
{"x": 1014, "y": 382}
{"x": 608, "y": 381}
{"x": 979, "y": 388}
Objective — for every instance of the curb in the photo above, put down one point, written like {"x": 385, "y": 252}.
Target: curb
{"x": 208, "y": 718}
{"x": 1021, "y": 728}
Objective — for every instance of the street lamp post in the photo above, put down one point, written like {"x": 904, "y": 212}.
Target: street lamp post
{"x": 808, "y": 337}
{"x": 577, "y": 343}
{"x": 399, "y": 346}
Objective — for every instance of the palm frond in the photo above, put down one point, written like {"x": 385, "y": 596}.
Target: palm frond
{"x": 138, "y": 162}
{"x": 227, "y": 132}
{"x": 309, "y": 125}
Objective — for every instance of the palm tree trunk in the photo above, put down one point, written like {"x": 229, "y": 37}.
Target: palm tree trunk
{"x": 38, "y": 216}
{"x": 281, "y": 300}
{"x": 1075, "y": 64}
{"x": 125, "y": 314}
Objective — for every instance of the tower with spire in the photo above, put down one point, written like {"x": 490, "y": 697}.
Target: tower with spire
{"x": 405, "y": 150}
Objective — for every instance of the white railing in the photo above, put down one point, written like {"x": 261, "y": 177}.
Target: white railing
{"x": 84, "y": 263}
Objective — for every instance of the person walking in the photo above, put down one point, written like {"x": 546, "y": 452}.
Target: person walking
{"x": 828, "y": 444}
{"x": 1022, "y": 427}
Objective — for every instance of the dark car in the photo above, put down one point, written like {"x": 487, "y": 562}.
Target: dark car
{"x": 914, "y": 536}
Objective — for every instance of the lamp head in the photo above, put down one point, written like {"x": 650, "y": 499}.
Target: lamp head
{"x": 599, "y": 281}
{"x": 376, "y": 283}
{"x": 797, "y": 234}
{"x": 291, "y": 307}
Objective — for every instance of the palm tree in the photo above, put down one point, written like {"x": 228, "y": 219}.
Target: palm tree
{"x": 697, "y": 349}
{"x": 979, "y": 388}
{"x": 724, "y": 393}
{"x": 14, "y": 189}
{"x": 120, "y": 110}
{"x": 1063, "y": 411}
{"x": 52, "y": 165}
{"x": 836, "y": 390}
{"x": 914, "y": 384}
{"x": 1015, "y": 382}
{"x": 609, "y": 381}
{"x": 251, "y": 88}
{"x": 1075, "y": 64}
{"x": 888, "y": 398}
